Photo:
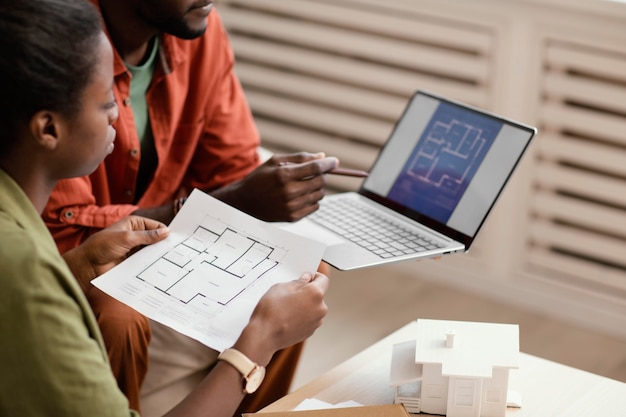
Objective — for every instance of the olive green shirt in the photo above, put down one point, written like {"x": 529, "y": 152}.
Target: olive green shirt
{"x": 53, "y": 360}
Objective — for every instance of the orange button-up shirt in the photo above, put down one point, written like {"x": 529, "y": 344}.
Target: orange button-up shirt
{"x": 203, "y": 132}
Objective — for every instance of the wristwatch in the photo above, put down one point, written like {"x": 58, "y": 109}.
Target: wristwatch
{"x": 253, "y": 374}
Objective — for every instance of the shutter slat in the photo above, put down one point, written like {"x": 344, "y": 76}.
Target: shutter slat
{"x": 352, "y": 72}
{"x": 582, "y": 183}
{"x": 324, "y": 92}
{"x": 335, "y": 122}
{"x": 386, "y": 25}
{"x": 350, "y": 154}
{"x": 585, "y": 90}
{"x": 598, "y": 63}
{"x": 333, "y": 76}
{"x": 592, "y": 123}
{"x": 577, "y": 212}
{"x": 593, "y": 155}
{"x": 587, "y": 244}
{"x": 340, "y": 41}
{"x": 586, "y": 271}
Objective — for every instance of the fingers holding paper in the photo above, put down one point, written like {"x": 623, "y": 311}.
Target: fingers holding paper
{"x": 107, "y": 248}
{"x": 289, "y": 312}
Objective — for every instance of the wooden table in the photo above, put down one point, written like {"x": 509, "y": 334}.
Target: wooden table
{"x": 548, "y": 389}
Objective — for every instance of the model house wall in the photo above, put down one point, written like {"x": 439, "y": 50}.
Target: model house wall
{"x": 434, "y": 389}
{"x": 464, "y": 399}
{"x": 494, "y": 395}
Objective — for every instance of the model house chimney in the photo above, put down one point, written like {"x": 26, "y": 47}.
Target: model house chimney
{"x": 450, "y": 338}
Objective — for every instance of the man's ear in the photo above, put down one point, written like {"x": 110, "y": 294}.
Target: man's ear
{"x": 46, "y": 127}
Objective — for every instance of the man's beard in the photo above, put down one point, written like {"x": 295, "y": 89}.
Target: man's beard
{"x": 180, "y": 29}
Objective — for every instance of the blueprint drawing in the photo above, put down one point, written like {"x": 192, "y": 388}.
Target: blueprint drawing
{"x": 205, "y": 279}
{"x": 448, "y": 154}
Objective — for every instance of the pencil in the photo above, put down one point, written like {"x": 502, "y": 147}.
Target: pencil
{"x": 348, "y": 172}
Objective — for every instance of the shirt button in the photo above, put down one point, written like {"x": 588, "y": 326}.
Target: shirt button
{"x": 134, "y": 152}
{"x": 68, "y": 214}
{"x": 127, "y": 101}
{"x": 128, "y": 193}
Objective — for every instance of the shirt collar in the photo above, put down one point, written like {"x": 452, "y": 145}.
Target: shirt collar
{"x": 170, "y": 53}
{"x": 16, "y": 204}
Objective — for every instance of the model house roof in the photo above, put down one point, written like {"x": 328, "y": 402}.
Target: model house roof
{"x": 464, "y": 348}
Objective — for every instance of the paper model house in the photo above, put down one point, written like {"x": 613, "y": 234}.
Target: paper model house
{"x": 456, "y": 368}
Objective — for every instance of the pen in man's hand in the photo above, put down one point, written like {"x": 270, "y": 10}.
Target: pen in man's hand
{"x": 348, "y": 172}
{"x": 337, "y": 171}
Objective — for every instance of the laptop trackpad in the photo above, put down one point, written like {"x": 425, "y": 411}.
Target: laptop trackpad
{"x": 346, "y": 256}
{"x": 310, "y": 229}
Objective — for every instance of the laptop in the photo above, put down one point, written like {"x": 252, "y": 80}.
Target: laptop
{"x": 428, "y": 192}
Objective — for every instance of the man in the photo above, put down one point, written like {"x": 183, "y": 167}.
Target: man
{"x": 183, "y": 123}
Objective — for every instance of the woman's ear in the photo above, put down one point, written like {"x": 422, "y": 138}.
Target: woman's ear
{"x": 46, "y": 127}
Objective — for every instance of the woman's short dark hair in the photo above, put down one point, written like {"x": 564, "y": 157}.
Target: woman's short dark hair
{"x": 47, "y": 56}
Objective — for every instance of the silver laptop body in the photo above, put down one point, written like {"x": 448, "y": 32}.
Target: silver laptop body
{"x": 429, "y": 191}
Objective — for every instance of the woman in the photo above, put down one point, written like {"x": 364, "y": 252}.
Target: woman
{"x": 57, "y": 110}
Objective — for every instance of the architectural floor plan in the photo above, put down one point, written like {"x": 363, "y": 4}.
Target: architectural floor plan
{"x": 215, "y": 263}
{"x": 449, "y": 153}
{"x": 440, "y": 168}
{"x": 205, "y": 279}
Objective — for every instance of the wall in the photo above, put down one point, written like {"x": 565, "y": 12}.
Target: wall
{"x": 333, "y": 75}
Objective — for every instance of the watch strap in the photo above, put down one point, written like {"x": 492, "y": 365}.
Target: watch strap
{"x": 238, "y": 360}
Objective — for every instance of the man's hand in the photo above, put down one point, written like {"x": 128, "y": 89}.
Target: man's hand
{"x": 107, "y": 248}
{"x": 285, "y": 188}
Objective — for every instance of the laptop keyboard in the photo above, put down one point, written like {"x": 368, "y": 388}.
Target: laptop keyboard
{"x": 387, "y": 240}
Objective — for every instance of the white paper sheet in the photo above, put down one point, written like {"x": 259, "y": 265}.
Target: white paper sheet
{"x": 205, "y": 279}
{"x": 315, "y": 404}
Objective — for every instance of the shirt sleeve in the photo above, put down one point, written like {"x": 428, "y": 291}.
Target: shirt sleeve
{"x": 52, "y": 364}
{"x": 73, "y": 213}
{"x": 230, "y": 139}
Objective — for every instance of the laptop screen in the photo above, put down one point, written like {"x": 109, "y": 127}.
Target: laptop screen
{"x": 445, "y": 164}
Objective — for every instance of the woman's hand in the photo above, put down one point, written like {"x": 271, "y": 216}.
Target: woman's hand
{"x": 108, "y": 247}
{"x": 287, "y": 314}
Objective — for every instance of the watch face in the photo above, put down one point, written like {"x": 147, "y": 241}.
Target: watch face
{"x": 254, "y": 379}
